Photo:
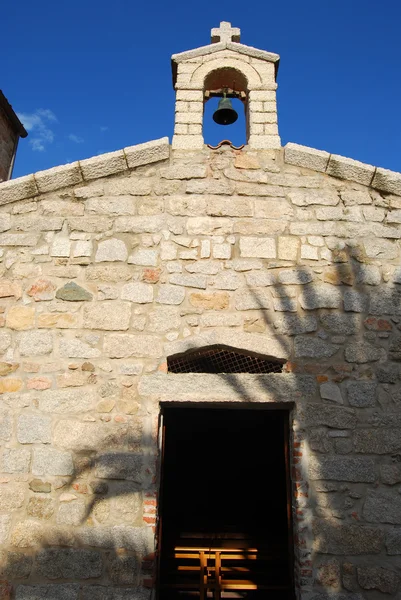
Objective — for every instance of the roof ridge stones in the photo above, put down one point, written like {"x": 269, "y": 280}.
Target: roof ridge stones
{"x": 81, "y": 171}
{"x": 343, "y": 168}
{"x": 129, "y": 158}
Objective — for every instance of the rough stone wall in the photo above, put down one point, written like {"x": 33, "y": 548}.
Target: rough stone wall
{"x": 7, "y": 145}
{"x": 101, "y": 281}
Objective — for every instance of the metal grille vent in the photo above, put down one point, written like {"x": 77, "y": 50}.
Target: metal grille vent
{"x": 221, "y": 360}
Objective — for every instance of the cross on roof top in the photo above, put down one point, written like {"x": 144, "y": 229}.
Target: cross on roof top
{"x": 225, "y": 33}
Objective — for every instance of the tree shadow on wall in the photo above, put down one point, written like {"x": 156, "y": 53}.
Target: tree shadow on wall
{"x": 346, "y": 340}
{"x": 101, "y": 560}
{"x": 97, "y": 560}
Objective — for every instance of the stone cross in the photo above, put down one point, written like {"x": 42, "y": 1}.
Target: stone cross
{"x": 225, "y": 33}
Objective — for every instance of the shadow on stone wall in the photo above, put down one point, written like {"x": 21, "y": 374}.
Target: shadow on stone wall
{"x": 102, "y": 561}
{"x": 339, "y": 436}
{"x": 347, "y": 438}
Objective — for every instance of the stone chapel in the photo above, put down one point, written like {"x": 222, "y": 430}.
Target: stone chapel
{"x": 200, "y": 391}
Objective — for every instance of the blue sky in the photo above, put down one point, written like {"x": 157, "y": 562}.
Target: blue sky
{"x": 91, "y": 77}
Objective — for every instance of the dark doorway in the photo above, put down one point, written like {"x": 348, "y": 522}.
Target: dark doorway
{"x": 225, "y": 518}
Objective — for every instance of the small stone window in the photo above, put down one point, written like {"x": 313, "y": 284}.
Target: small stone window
{"x": 220, "y": 359}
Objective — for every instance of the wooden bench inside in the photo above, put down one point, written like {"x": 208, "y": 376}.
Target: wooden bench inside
{"x": 215, "y": 569}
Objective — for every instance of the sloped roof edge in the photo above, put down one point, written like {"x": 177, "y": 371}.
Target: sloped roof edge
{"x": 343, "y": 168}
{"x": 81, "y": 171}
{"x": 234, "y": 46}
{"x": 142, "y": 154}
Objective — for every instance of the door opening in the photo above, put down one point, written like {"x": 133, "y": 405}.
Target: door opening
{"x": 224, "y": 518}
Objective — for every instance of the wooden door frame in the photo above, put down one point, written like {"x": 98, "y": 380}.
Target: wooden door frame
{"x": 287, "y": 407}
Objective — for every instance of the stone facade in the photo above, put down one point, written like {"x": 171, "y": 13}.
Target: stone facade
{"x": 105, "y": 277}
{"x": 113, "y": 264}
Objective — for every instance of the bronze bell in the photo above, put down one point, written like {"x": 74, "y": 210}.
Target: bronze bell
{"x": 225, "y": 114}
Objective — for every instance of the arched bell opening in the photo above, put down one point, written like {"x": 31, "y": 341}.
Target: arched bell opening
{"x": 214, "y": 133}
{"x": 225, "y": 95}
{"x": 226, "y": 77}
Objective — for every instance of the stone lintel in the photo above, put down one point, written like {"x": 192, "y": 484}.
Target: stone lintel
{"x": 253, "y": 87}
{"x": 227, "y": 387}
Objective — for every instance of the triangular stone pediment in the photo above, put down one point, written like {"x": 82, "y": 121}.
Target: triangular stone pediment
{"x": 233, "y": 46}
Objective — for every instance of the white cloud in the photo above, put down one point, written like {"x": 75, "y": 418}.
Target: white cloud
{"x": 75, "y": 138}
{"x": 103, "y": 128}
{"x": 38, "y": 123}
